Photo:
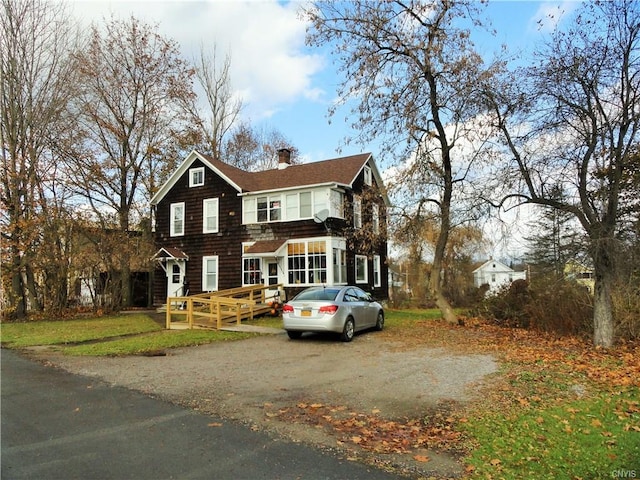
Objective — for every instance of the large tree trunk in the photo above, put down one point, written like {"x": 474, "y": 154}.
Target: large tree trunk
{"x": 435, "y": 280}
{"x": 17, "y": 298}
{"x": 603, "y": 331}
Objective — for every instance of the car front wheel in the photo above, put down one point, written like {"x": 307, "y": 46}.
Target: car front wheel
{"x": 380, "y": 321}
{"x": 349, "y": 330}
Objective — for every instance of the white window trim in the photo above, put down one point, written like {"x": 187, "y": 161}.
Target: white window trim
{"x": 366, "y": 268}
{"x": 192, "y": 172}
{"x": 215, "y": 202}
{"x": 320, "y": 200}
{"x": 172, "y": 231}
{"x": 259, "y": 270}
{"x": 357, "y": 212}
{"x": 375, "y": 218}
{"x": 377, "y": 279}
{"x": 204, "y": 273}
{"x": 367, "y": 175}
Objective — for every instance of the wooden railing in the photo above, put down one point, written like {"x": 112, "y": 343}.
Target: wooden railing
{"x": 214, "y": 308}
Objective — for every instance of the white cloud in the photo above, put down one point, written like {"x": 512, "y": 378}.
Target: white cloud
{"x": 550, "y": 14}
{"x": 270, "y": 65}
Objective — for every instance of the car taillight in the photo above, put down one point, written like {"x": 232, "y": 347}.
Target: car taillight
{"x": 330, "y": 309}
{"x": 287, "y": 309}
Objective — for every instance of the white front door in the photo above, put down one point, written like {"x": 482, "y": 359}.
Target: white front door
{"x": 176, "y": 270}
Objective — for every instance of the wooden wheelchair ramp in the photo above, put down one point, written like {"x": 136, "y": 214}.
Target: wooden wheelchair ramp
{"x": 220, "y": 309}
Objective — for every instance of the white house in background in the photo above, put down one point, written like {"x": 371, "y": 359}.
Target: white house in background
{"x": 496, "y": 274}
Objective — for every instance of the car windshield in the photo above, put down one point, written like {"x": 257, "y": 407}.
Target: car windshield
{"x": 318, "y": 294}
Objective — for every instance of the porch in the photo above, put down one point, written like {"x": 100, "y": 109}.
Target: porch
{"x": 221, "y": 309}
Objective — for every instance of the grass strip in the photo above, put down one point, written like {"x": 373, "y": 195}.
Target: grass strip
{"x": 60, "y": 332}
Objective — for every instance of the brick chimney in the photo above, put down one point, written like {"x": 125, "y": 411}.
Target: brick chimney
{"x": 284, "y": 158}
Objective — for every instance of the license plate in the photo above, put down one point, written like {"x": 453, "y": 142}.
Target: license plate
{"x": 305, "y": 313}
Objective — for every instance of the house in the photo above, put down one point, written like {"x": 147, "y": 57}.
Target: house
{"x": 219, "y": 227}
{"x": 581, "y": 274}
{"x": 496, "y": 275}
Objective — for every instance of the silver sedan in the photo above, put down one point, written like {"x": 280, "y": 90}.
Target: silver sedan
{"x": 344, "y": 310}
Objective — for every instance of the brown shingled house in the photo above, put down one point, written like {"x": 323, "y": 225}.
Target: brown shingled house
{"x": 220, "y": 227}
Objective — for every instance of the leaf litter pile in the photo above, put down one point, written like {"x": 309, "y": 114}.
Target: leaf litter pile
{"x": 373, "y": 433}
{"x": 539, "y": 370}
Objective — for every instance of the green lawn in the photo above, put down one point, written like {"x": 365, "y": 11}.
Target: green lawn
{"x": 130, "y": 334}
{"x": 61, "y": 332}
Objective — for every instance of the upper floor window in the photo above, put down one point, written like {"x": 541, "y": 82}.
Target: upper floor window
{"x": 196, "y": 177}
{"x": 298, "y": 205}
{"x": 210, "y": 215}
{"x": 337, "y": 203}
{"x": 375, "y": 218}
{"x": 357, "y": 212}
{"x": 290, "y": 206}
{"x": 367, "y": 176}
{"x": 262, "y": 209}
{"x": 176, "y": 224}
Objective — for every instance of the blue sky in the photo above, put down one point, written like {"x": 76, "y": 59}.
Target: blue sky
{"x": 284, "y": 84}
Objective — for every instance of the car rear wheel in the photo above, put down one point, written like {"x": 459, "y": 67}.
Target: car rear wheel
{"x": 380, "y": 321}
{"x": 349, "y": 330}
{"x": 294, "y": 335}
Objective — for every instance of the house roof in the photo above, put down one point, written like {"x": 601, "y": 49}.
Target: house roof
{"x": 170, "y": 252}
{"x": 494, "y": 265}
{"x": 265, "y": 246}
{"x": 340, "y": 171}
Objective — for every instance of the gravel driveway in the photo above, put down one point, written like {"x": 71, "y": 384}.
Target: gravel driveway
{"x": 238, "y": 379}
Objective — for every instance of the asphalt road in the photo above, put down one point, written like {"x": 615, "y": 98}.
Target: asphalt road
{"x": 55, "y": 425}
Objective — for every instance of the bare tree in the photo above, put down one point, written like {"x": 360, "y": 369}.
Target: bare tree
{"x": 223, "y": 107}
{"x": 36, "y": 77}
{"x": 412, "y": 72}
{"x": 575, "y": 127}
{"x": 133, "y": 89}
{"x": 255, "y": 149}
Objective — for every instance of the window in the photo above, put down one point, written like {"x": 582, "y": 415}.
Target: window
{"x": 262, "y": 209}
{"x": 337, "y": 203}
{"x": 307, "y": 262}
{"x": 296, "y": 262}
{"x": 339, "y": 266}
{"x": 361, "y": 269}
{"x": 177, "y": 220}
{"x": 249, "y": 210}
{"x": 367, "y": 175}
{"x": 377, "y": 279}
{"x": 273, "y": 273}
{"x": 210, "y": 215}
{"x": 274, "y": 208}
{"x": 251, "y": 271}
{"x": 209, "y": 274}
{"x": 317, "y": 261}
{"x": 357, "y": 212}
{"x": 292, "y": 206}
{"x": 320, "y": 201}
{"x": 375, "y": 218}
{"x": 196, "y": 177}
{"x": 175, "y": 273}
{"x": 305, "y": 205}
